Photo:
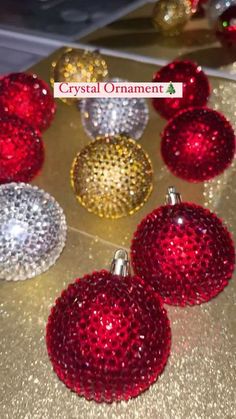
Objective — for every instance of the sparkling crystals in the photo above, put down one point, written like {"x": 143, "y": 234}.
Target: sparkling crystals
{"x": 21, "y": 150}
{"x": 196, "y": 87}
{"x": 79, "y": 66}
{"x": 170, "y": 17}
{"x": 108, "y": 336}
{"x": 110, "y": 116}
{"x": 32, "y": 231}
{"x": 198, "y": 144}
{"x": 112, "y": 176}
{"x": 184, "y": 252}
{"x": 28, "y": 97}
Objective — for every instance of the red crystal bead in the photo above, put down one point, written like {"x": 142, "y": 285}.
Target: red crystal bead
{"x": 198, "y": 144}
{"x": 184, "y": 252}
{"x": 21, "y": 150}
{"x": 196, "y": 87}
{"x": 108, "y": 337}
{"x": 29, "y": 98}
{"x": 226, "y": 27}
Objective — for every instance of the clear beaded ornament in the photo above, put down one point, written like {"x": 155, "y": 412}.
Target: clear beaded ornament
{"x": 111, "y": 116}
{"x": 32, "y": 231}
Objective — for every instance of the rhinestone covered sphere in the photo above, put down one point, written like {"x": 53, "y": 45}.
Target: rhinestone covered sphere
{"x": 29, "y": 98}
{"x": 21, "y": 150}
{"x": 184, "y": 252}
{"x": 226, "y": 27}
{"x": 112, "y": 176}
{"x": 196, "y": 87}
{"x": 110, "y": 116}
{"x": 198, "y": 144}
{"x": 80, "y": 67}
{"x": 215, "y": 8}
{"x": 108, "y": 337}
{"x": 32, "y": 231}
{"x": 170, "y": 17}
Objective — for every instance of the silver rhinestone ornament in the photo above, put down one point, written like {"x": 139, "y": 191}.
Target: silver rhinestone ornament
{"x": 32, "y": 231}
{"x": 111, "y": 116}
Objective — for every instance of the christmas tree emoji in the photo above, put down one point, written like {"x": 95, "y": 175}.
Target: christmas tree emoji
{"x": 170, "y": 89}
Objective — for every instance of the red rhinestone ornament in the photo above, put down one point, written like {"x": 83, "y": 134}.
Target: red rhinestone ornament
{"x": 196, "y": 87}
{"x": 198, "y": 144}
{"x": 29, "y": 98}
{"x": 108, "y": 336}
{"x": 21, "y": 150}
{"x": 184, "y": 252}
{"x": 226, "y": 27}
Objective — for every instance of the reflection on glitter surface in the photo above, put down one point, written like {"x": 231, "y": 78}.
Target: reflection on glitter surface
{"x": 219, "y": 193}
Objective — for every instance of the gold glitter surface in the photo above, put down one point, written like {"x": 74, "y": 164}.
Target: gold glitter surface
{"x": 199, "y": 380}
{"x": 220, "y": 193}
{"x": 169, "y": 17}
{"x": 112, "y": 176}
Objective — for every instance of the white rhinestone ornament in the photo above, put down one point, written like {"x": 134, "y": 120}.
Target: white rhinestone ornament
{"x": 32, "y": 231}
{"x": 112, "y": 116}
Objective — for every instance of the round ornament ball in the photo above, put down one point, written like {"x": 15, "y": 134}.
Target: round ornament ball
{"x": 112, "y": 176}
{"x": 80, "y": 67}
{"x": 108, "y": 336}
{"x": 215, "y": 8}
{"x": 196, "y": 89}
{"x": 170, "y": 17}
{"x": 111, "y": 116}
{"x": 183, "y": 251}
{"x": 226, "y": 27}
{"x": 198, "y": 144}
{"x": 21, "y": 150}
{"x": 29, "y": 98}
{"x": 32, "y": 231}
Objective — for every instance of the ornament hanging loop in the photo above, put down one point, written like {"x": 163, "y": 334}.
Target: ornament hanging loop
{"x": 120, "y": 263}
{"x": 173, "y": 197}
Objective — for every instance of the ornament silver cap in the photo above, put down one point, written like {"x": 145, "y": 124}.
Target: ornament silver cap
{"x": 173, "y": 197}
{"x": 120, "y": 263}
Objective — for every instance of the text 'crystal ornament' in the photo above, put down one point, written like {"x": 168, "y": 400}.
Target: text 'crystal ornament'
{"x": 198, "y": 144}
{"x": 21, "y": 150}
{"x": 196, "y": 87}
{"x": 111, "y": 116}
{"x": 108, "y": 336}
{"x": 112, "y": 176}
{"x": 28, "y": 97}
{"x": 32, "y": 231}
{"x": 183, "y": 251}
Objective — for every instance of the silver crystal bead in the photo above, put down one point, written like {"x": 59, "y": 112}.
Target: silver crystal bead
{"x": 32, "y": 231}
{"x": 111, "y": 116}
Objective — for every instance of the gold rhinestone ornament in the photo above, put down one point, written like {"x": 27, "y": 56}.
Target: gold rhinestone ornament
{"x": 169, "y": 17}
{"x": 80, "y": 67}
{"x": 112, "y": 176}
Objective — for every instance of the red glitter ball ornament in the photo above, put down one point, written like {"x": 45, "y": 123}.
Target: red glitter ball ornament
{"x": 226, "y": 27}
{"x": 108, "y": 336}
{"x": 196, "y": 87}
{"x": 183, "y": 251}
{"x": 198, "y": 144}
{"x": 21, "y": 150}
{"x": 29, "y": 98}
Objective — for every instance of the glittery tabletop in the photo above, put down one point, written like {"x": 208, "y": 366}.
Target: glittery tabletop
{"x": 199, "y": 380}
